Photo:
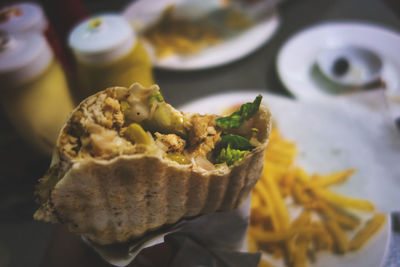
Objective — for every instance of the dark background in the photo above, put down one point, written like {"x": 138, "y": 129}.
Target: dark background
{"x": 23, "y": 242}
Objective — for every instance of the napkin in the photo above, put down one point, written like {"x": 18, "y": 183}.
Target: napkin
{"x": 216, "y": 239}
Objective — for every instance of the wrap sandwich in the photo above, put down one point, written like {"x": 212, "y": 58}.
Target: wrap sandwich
{"x": 126, "y": 163}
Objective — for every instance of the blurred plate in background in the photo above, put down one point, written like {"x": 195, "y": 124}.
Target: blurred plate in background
{"x": 297, "y": 57}
{"x": 142, "y": 13}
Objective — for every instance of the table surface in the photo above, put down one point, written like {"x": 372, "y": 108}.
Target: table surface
{"x": 23, "y": 242}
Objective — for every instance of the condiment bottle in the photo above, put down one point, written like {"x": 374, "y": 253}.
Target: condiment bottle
{"x": 108, "y": 53}
{"x": 22, "y": 18}
{"x": 28, "y": 17}
{"x": 34, "y": 92}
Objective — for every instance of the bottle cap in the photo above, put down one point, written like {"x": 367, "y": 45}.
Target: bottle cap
{"x": 102, "y": 39}
{"x": 22, "y": 57}
{"x": 22, "y": 17}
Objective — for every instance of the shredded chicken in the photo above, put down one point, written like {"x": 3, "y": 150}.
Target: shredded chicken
{"x": 93, "y": 128}
{"x": 206, "y": 146}
{"x": 105, "y": 142}
{"x": 112, "y": 112}
{"x": 170, "y": 142}
{"x": 104, "y": 111}
{"x": 203, "y": 135}
{"x": 71, "y": 145}
{"x": 96, "y": 131}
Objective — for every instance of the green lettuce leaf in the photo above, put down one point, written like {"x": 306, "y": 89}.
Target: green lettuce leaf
{"x": 235, "y": 142}
{"x": 237, "y": 118}
{"x": 232, "y": 148}
{"x": 230, "y": 155}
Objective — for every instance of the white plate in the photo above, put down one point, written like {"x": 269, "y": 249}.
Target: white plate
{"x": 143, "y": 12}
{"x": 298, "y": 55}
{"x": 328, "y": 139}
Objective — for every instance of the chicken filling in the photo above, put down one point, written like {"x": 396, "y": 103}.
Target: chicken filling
{"x": 138, "y": 120}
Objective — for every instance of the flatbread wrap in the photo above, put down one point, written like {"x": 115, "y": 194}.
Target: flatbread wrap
{"x": 126, "y": 163}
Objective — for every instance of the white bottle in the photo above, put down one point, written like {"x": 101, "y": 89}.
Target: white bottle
{"x": 22, "y": 18}
{"x": 34, "y": 92}
{"x": 108, "y": 53}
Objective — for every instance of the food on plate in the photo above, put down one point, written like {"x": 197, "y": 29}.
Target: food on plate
{"x": 326, "y": 221}
{"x": 171, "y": 35}
{"x": 177, "y": 35}
{"x": 126, "y": 163}
{"x": 369, "y": 230}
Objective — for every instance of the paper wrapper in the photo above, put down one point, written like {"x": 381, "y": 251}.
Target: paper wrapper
{"x": 217, "y": 239}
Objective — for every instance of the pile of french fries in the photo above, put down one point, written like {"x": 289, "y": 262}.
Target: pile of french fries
{"x": 171, "y": 35}
{"x": 327, "y": 221}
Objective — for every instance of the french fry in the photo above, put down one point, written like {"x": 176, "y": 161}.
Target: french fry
{"x": 303, "y": 219}
{"x": 279, "y": 204}
{"x": 281, "y": 159}
{"x": 288, "y": 179}
{"x": 300, "y": 254}
{"x": 256, "y": 201}
{"x": 274, "y": 133}
{"x": 286, "y": 183}
{"x": 266, "y": 197}
{"x": 321, "y": 237}
{"x": 338, "y": 235}
{"x": 277, "y": 250}
{"x": 302, "y": 176}
{"x": 262, "y": 193}
{"x": 281, "y": 145}
{"x": 344, "y": 219}
{"x": 259, "y": 216}
{"x": 252, "y": 245}
{"x": 300, "y": 195}
{"x": 274, "y": 170}
{"x": 343, "y": 201}
{"x": 260, "y": 235}
{"x": 290, "y": 246}
{"x": 264, "y": 263}
{"x": 301, "y": 244}
{"x": 368, "y": 231}
{"x": 330, "y": 179}
{"x": 300, "y": 240}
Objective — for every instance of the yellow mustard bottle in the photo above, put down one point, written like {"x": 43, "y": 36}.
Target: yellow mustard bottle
{"x": 108, "y": 53}
{"x": 34, "y": 92}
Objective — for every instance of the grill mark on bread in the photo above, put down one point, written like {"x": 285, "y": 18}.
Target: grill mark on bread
{"x": 120, "y": 200}
{"x": 127, "y": 193}
{"x": 139, "y": 202}
{"x": 103, "y": 186}
{"x": 232, "y": 191}
{"x": 196, "y": 194}
{"x": 176, "y": 194}
{"x": 98, "y": 195}
{"x": 156, "y": 201}
{"x": 186, "y": 193}
{"x": 216, "y": 192}
{"x": 147, "y": 194}
{"x": 249, "y": 184}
